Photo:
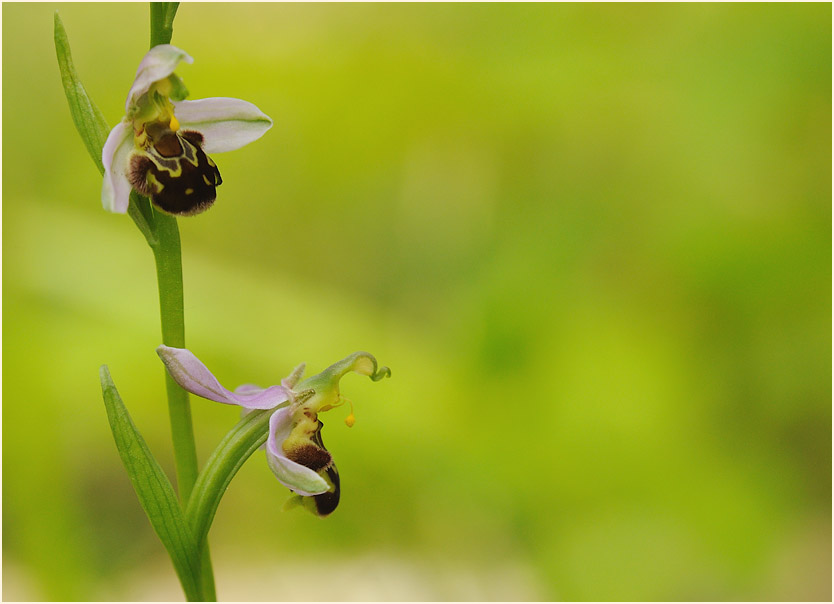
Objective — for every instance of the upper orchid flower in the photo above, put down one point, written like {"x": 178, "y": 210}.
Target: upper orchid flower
{"x": 294, "y": 448}
{"x": 159, "y": 148}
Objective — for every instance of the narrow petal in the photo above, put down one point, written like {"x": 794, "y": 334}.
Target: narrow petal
{"x": 159, "y": 62}
{"x": 190, "y": 373}
{"x": 115, "y": 190}
{"x": 249, "y": 389}
{"x": 226, "y": 124}
{"x": 292, "y": 475}
{"x": 292, "y": 379}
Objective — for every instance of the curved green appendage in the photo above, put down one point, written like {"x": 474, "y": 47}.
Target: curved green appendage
{"x": 227, "y": 458}
{"x": 383, "y": 372}
{"x": 363, "y": 363}
{"x": 154, "y": 490}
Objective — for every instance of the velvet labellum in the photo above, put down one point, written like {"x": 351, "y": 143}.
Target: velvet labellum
{"x": 315, "y": 456}
{"x": 175, "y": 173}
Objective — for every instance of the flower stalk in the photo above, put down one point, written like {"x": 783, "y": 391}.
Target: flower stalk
{"x": 168, "y": 258}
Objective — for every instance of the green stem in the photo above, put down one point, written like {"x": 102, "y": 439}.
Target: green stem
{"x": 168, "y": 256}
{"x": 235, "y": 448}
{"x": 162, "y": 22}
{"x": 169, "y": 278}
{"x": 167, "y": 253}
{"x": 165, "y": 244}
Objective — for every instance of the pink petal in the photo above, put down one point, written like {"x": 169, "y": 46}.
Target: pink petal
{"x": 190, "y": 373}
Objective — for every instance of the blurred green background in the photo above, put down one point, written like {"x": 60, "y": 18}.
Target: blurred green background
{"x": 593, "y": 242}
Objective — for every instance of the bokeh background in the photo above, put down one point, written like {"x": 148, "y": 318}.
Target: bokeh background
{"x": 593, "y": 242}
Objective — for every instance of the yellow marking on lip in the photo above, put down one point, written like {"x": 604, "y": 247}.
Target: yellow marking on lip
{"x": 154, "y": 183}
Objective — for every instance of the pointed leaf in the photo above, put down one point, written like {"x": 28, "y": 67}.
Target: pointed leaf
{"x": 88, "y": 118}
{"x": 153, "y": 489}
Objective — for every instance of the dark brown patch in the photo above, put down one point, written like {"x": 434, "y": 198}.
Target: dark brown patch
{"x": 137, "y": 174}
{"x": 327, "y": 502}
{"x": 176, "y": 174}
{"x": 311, "y": 456}
{"x": 193, "y": 137}
{"x": 168, "y": 145}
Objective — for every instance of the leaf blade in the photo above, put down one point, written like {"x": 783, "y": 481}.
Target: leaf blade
{"x": 154, "y": 490}
{"x": 88, "y": 118}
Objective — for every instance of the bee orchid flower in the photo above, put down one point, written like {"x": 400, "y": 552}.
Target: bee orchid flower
{"x": 294, "y": 449}
{"x": 160, "y": 147}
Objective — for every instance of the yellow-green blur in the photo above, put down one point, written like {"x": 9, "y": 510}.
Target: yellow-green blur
{"x": 593, "y": 242}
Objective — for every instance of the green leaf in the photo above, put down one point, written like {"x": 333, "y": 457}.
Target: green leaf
{"x": 153, "y": 489}
{"x": 88, "y": 118}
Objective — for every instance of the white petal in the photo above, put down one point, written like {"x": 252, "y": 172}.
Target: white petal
{"x": 292, "y": 475}
{"x": 226, "y": 124}
{"x": 115, "y": 190}
{"x": 159, "y": 62}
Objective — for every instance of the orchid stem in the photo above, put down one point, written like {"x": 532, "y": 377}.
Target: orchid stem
{"x": 162, "y": 22}
{"x": 168, "y": 256}
{"x": 169, "y": 277}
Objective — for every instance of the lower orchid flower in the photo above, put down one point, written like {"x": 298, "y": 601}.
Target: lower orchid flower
{"x": 294, "y": 448}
